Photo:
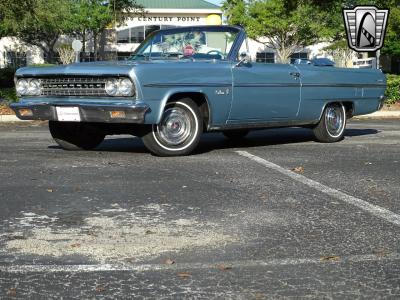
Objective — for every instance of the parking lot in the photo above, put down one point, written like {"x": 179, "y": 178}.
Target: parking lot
{"x": 276, "y": 215}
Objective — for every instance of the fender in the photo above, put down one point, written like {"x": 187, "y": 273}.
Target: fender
{"x": 170, "y": 93}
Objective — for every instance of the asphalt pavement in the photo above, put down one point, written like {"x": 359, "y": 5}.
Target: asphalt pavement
{"x": 275, "y": 216}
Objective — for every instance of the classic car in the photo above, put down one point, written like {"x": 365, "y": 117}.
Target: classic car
{"x": 184, "y": 81}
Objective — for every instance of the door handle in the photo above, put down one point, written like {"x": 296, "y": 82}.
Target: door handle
{"x": 295, "y": 74}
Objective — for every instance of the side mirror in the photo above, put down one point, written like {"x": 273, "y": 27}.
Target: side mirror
{"x": 244, "y": 58}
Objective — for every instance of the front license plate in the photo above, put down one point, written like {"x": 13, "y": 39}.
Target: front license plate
{"x": 68, "y": 114}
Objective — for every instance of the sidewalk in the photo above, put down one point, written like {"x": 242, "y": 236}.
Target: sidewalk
{"x": 382, "y": 114}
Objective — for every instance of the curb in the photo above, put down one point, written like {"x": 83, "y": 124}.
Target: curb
{"x": 9, "y": 118}
{"x": 395, "y": 114}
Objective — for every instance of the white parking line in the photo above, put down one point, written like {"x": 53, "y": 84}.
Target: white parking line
{"x": 192, "y": 266}
{"x": 375, "y": 210}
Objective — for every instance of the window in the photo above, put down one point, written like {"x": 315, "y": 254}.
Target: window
{"x": 265, "y": 57}
{"x": 182, "y": 43}
{"x": 136, "y": 35}
{"x": 301, "y": 55}
{"x": 123, "y": 55}
{"x": 15, "y": 59}
{"x": 123, "y": 36}
{"x": 150, "y": 29}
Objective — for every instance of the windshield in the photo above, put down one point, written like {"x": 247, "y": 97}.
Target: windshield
{"x": 189, "y": 42}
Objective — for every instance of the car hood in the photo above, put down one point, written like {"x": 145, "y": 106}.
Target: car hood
{"x": 92, "y": 68}
{"x": 100, "y": 68}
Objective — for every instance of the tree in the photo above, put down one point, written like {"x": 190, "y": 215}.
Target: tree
{"x": 392, "y": 41}
{"x": 37, "y": 22}
{"x": 42, "y": 22}
{"x": 286, "y": 25}
{"x": 95, "y": 16}
{"x": 10, "y": 11}
{"x": 283, "y": 25}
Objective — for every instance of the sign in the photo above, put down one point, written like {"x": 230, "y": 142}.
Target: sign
{"x": 77, "y": 45}
{"x": 366, "y": 27}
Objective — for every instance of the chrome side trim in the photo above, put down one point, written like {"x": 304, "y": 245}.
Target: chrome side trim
{"x": 264, "y": 125}
{"x": 358, "y": 85}
{"x": 250, "y": 85}
{"x": 267, "y": 85}
{"x": 166, "y": 85}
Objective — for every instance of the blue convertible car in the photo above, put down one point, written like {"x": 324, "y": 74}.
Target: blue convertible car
{"x": 185, "y": 81}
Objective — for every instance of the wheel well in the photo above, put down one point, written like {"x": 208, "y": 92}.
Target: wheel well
{"x": 201, "y": 101}
{"x": 349, "y": 106}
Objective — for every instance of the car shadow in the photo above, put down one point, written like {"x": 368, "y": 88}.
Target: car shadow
{"x": 216, "y": 141}
{"x": 269, "y": 137}
{"x": 115, "y": 144}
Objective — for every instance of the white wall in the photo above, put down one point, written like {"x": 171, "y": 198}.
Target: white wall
{"x": 33, "y": 54}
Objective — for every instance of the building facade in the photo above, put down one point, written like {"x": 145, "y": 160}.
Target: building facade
{"x": 120, "y": 42}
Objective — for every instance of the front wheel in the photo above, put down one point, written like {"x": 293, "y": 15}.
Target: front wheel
{"x": 75, "y": 136}
{"x": 179, "y": 131}
{"x": 331, "y": 127}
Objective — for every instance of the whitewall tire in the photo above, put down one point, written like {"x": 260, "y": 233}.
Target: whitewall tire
{"x": 179, "y": 130}
{"x": 332, "y": 125}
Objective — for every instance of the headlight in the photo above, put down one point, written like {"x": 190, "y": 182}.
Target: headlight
{"x": 28, "y": 87}
{"x": 111, "y": 87}
{"x": 34, "y": 87}
{"x": 119, "y": 87}
{"x": 126, "y": 87}
{"x": 21, "y": 87}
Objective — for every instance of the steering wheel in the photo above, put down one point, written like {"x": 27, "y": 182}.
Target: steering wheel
{"x": 216, "y": 52}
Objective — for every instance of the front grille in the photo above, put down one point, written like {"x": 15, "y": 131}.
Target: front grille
{"x": 73, "y": 86}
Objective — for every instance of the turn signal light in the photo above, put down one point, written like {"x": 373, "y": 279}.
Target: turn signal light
{"x": 25, "y": 112}
{"x": 116, "y": 114}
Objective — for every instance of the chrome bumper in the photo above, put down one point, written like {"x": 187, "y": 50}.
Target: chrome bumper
{"x": 89, "y": 112}
{"x": 382, "y": 100}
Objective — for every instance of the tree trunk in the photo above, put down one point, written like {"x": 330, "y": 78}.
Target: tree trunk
{"x": 52, "y": 52}
{"x": 95, "y": 45}
{"x": 84, "y": 40}
{"x": 103, "y": 41}
{"x": 283, "y": 55}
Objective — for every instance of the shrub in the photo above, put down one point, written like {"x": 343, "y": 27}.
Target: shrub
{"x": 8, "y": 94}
{"x": 393, "y": 89}
{"x": 7, "y": 78}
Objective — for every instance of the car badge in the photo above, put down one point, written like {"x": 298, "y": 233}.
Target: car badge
{"x": 366, "y": 27}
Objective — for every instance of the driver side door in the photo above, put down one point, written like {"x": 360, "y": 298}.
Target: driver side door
{"x": 264, "y": 92}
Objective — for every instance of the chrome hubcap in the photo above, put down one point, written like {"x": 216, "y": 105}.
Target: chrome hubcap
{"x": 334, "y": 120}
{"x": 175, "y": 126}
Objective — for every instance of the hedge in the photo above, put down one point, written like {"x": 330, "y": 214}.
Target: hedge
{"x": 393, "y": 89}
{"x": 7, "y": 78}
{"x": 8, "y": 94}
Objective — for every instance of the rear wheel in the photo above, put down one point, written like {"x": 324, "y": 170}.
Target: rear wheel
{"x": 179, "y": 131}
{"x": 75, "y": 136}
{"x": 331, "y": 127}
{"x": 236, "y": 134}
